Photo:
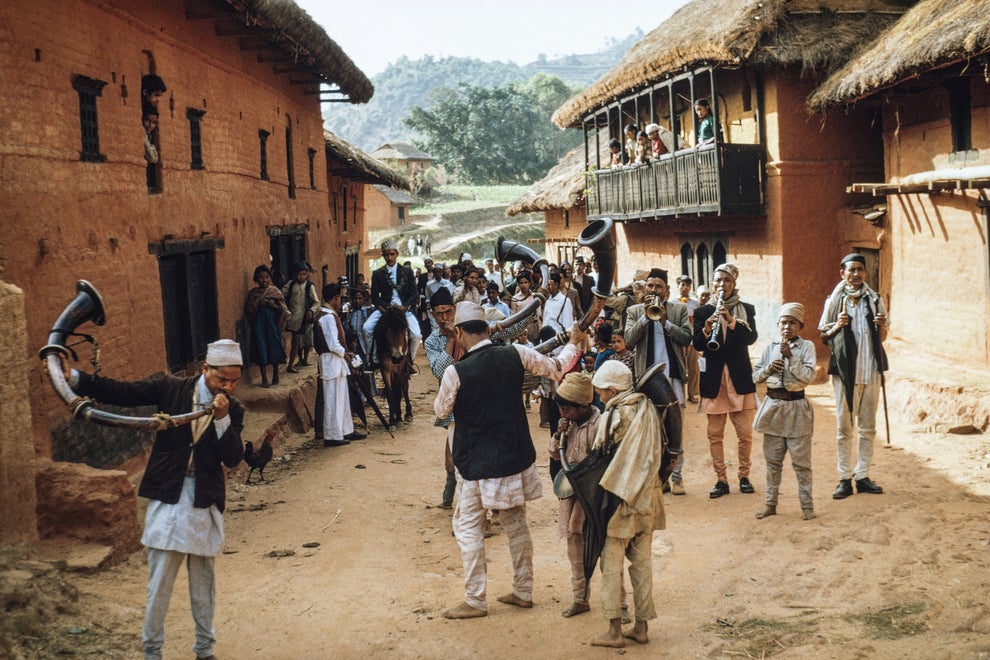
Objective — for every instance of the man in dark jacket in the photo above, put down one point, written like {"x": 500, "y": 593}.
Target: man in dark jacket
{"x": 724, "y": 333}
{"x": 493, "y": 451}
{"x": 393, "y": 285}
{"x": 184, "y": 481}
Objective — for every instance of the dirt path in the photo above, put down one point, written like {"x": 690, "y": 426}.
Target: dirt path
{"x": 364, "y": 564}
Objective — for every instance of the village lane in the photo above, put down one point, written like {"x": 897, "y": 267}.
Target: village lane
{"x": 343, "y": 553}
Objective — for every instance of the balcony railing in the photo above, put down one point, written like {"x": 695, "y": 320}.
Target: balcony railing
{"x": 725, "y": 180}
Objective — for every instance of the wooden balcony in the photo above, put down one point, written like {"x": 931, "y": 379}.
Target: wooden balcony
{"x": 723, "y": 180}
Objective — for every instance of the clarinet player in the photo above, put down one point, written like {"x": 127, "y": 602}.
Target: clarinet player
{"x": 723, "y": 333}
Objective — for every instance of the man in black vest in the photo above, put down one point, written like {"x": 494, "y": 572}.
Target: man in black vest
{"x": 493, "y": 451}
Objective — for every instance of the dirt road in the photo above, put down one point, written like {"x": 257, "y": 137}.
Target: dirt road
{"x": 342, "y": 554}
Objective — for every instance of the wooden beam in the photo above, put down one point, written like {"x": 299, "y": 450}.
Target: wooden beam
{"x": 204, "y": 14}
{"x": 276, "y": 57}
{"x": 304, "y": 81}
{"x": 255, "y": 42}
{"x": 224, "y": 29}
{"x": 292, "y": 68}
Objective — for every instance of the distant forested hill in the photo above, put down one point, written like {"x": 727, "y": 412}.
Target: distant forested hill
{"x": 407, "y": 83}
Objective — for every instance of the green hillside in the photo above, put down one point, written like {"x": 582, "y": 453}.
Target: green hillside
{"x": 407, "y": 83}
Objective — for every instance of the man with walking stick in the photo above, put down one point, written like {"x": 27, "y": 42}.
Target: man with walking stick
{"x": 854, "y": 325}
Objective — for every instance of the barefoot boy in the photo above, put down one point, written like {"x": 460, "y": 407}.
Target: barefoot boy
{"x": 630, "y": 421}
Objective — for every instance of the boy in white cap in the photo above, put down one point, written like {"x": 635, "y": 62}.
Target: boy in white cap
{"x": 493, "y": 451}
{"x": 184, "y": 481}
{"x": 785, "y": 418}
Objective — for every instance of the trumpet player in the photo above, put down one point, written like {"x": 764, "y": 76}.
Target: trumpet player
{"x": 658, "y": 330}
{"x": 723, "y": 333}
{"x": 854, "y": 325}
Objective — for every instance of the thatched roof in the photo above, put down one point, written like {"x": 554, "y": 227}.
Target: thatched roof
{"x": 934, "y": 34}
{"x": 817, "y": 35}
{"x": 347, "y": 161}
{"x": 400, "y": 151}
{"x": 292, "y": 30}
{"x": 562, "y": 187}
{"x": 396, "y": 196}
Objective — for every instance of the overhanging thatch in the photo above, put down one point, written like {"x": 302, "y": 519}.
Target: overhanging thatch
{"x": 400, "y": 151}
{"x": 354, "y": 164}
{"x": 562, "y": 187}
{"x": 934, "y": 34}
{"x": 819, "y": 36}
{"x": 294, "y": 31}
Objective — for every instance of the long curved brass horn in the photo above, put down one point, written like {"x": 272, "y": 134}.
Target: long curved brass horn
{"x": 512, "y": 251}
{"x": 515, "y": 325}
{"x": 597, "y": 236}
{"x": 88, "y": 306}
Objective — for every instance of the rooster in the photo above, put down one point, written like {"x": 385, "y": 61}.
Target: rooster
{"x": 258, "y": 459}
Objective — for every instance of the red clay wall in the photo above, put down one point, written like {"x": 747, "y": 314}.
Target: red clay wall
{"x": 65, "y": 219}
{"x": 938, "y": 242}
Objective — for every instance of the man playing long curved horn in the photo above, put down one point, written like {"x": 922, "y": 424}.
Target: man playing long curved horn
{"x": 493, "y": 451}
{"x": 184, "y": 481}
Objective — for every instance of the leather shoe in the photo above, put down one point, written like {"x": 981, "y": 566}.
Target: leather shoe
{"x": 355, "y": 436}
{"x": 745, "y": 486}
{"x": 843, "y": 490}
{"x": 865, "y": 485}
{"x": 721, "y": 488}
{"x": 336, "y": 443}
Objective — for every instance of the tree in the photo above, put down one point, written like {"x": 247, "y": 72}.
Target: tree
{"x": 498, "y": 134}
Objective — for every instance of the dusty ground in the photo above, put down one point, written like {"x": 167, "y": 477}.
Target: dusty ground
{"x": 342, "y": 553}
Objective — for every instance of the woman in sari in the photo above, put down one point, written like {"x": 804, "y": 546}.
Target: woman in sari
{"x": 266, "y": 312}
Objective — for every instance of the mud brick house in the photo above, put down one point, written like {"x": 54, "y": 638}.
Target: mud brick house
{"x": 358, "y": 184}
{"x": 388, "y": 210}
{"x": 927, "y": 80}
{"x": 769, "y": 193}
{"x": 238, "y": 175}
{"x": 412, "y": 162}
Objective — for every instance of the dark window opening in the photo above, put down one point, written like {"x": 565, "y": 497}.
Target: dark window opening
{"x": 312, "y": 168}
{"x": 402, "y": 215}
{"x": 89, "y": 90}
{"x": 960, "y": 114}
{"x": 263, "y": 140}
{"x": 195, "y": 118}
{"x": 189, "y": 303}
{"x": 287, "y": 247}
{"x": 289, "y": 172}
{"x": 687, "y": 261}
{"x": 718, "y": 254}
{"x": 702, "y": 264}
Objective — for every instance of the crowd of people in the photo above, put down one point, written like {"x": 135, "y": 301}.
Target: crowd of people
{"x": 642, "y": 145}
{"x": 587, "y": 371}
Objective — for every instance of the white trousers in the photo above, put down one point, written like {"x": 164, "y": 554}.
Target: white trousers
{"x": 164, "y": 566}
{"x": 337, "y": 420}
{"x": 863, "y": 418}
{"x": 469, "y": 529}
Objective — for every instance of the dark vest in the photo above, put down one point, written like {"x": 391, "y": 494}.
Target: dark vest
{"x": 491, "y": 433}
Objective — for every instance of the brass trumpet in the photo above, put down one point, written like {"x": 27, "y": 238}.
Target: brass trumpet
{"x": 653, "y": 307}
{"x": 713, "y": 343}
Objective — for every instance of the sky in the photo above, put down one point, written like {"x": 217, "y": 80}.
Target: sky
{"x": 382, "y": 31}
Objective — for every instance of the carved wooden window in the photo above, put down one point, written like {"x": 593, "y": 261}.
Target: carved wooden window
{"x": 89, "y": 90}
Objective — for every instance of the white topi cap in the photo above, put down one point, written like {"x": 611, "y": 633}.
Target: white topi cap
{"x": 224, "y": 353}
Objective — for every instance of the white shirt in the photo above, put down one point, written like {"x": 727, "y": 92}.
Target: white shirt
{"x": 558, "y": 312}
